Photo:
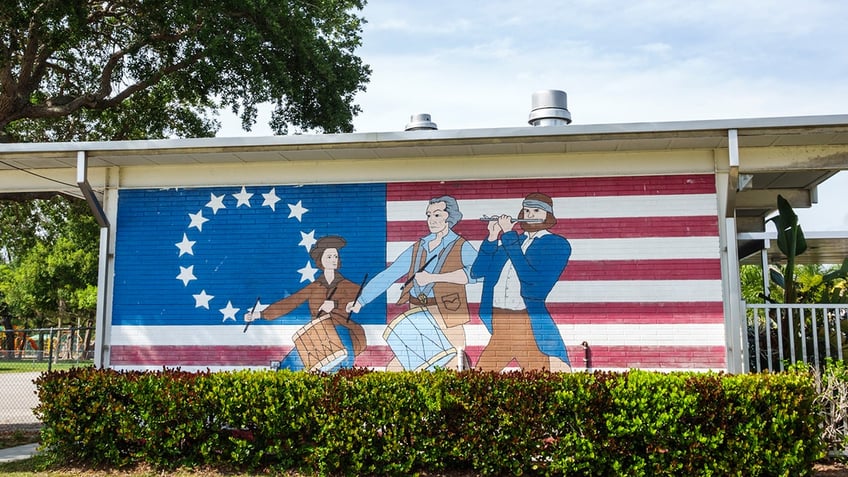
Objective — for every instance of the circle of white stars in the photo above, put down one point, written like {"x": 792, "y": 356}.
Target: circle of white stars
{"x": 243, "y": 199}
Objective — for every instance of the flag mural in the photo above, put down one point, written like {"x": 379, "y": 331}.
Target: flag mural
{"x": 190, "y": 263}
{"x": 639, "y": 285}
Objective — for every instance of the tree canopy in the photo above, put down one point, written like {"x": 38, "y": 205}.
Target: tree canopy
{"x": 155, "y": 68}
{"x": 48, "y": 272}
{"x": 86, "y": 70}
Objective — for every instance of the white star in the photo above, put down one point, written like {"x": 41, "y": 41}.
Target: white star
{"x": 216, "y": 203}
{"x": 185, "y": 246}
{"x": 186, "y": 274}
{"x": 197, "y": 220}
{"x": 307, "y": 240}
{"x": 271, "y": 199}
{"x": 297, "y": 211}
{"x": 307, "y": 273}
{"x": 229, "y": 311}
{"x": 243, "y": 198}
{"x": 259, "y": 307}
{"x": 202, "y": 299}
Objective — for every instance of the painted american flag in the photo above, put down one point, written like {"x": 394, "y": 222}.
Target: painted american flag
{"x": 642, "y": 288}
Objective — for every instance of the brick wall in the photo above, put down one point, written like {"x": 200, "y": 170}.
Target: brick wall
{"x": 642, "y": 286}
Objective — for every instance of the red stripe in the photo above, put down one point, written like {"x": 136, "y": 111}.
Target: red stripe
{"x": 562, "y": 187}
{"x": 615, "y": 313}
{"x": 664, "y": 357}
{"x": 637, "y": 227}
{"x": 667, "y": 269}
{"x": 638, "y": 313}
{"x": 122, "y": 355}
{"x": 623, "y": 227}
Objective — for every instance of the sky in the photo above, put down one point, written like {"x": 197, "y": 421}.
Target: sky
{"x": 475, "y": 64}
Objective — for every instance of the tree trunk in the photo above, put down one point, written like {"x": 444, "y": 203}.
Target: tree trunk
{"x": 8, "y": 337}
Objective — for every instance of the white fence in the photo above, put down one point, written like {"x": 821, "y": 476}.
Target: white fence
{"x": 779, "y": 335}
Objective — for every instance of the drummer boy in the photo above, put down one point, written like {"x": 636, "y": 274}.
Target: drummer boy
{"x": 437, "y": 267}
{"x": 326, "y": 297}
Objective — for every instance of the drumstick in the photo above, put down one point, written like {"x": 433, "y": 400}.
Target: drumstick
{"x": 412, "y": 277}
{"x": 251, "y": 312}
{"x": 329, "y": 297}
{"x": 358, "y": 294}
{"x": 332, "y": 292}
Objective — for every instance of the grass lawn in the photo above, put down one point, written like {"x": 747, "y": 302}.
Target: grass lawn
{"x": 17, "y": 437}
{"x": 25, "y": 366}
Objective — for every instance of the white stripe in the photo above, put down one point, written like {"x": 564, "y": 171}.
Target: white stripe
{"x": 269, "y": 335}
{"x": 650, "y": 248}
{"x": 228, "y": 335}
{"x": 616, "y": 334}
{"x": 619, "y": 334}
{"x": 571, "y": 207}
{"x": 644, "y": 291}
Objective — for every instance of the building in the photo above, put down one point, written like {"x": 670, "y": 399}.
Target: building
{"x": 198, "y": 232}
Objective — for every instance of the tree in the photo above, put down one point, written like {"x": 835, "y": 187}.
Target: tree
{"x": 8, "y": 337}
{"x": 130, "y": 64}
{"x": 83, "y": 70}
{"x": 53, "y": 279}
{"x": 802, "y": 284}
{"x": 149, "y": 115}
{"x": 791, "y": 242}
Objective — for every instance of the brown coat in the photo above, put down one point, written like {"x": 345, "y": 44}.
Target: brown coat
{"x": 316, "y": 293}
{"x": 451, "y": 298}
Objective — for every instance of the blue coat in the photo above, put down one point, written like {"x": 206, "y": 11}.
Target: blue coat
{"x": 538, "y": 271}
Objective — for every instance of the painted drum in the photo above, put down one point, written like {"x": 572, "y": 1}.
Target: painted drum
{"x": 417, "y": 341}
{"x": 319, "y": 345}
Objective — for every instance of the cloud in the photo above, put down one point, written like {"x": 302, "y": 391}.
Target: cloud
{"x": 619, "y": 61}
{"x": 475, "y": 65}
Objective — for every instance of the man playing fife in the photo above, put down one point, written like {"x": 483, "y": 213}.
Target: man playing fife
{"x": 518, "y": 273}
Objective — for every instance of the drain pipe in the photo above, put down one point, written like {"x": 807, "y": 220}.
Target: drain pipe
{"x": 587, "y": 355}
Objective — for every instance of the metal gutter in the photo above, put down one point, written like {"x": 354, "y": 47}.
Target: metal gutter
{"x": 720, "y": 126}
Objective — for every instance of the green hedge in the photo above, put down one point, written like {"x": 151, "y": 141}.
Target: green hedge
{"x": 358, "y": 422}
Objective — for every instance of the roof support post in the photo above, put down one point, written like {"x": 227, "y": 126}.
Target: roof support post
{"x": 88, "y": 192}
{"x": 733, "y": 175}
{"x": 735, "y": 320}
{"x": 101, "y": 354}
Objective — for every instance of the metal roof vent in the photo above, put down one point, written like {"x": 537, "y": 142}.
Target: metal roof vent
{"x": 418, "y": 122}
{"x": 549, "y": 108}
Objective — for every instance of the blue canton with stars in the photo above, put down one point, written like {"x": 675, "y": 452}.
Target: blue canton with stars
{"x": 203, "y": 256}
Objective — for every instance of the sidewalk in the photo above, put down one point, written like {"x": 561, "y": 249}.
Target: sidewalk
{"x": 18, "y": 453}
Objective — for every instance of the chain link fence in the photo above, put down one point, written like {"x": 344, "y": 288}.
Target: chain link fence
{"x": 24, "y": 355}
